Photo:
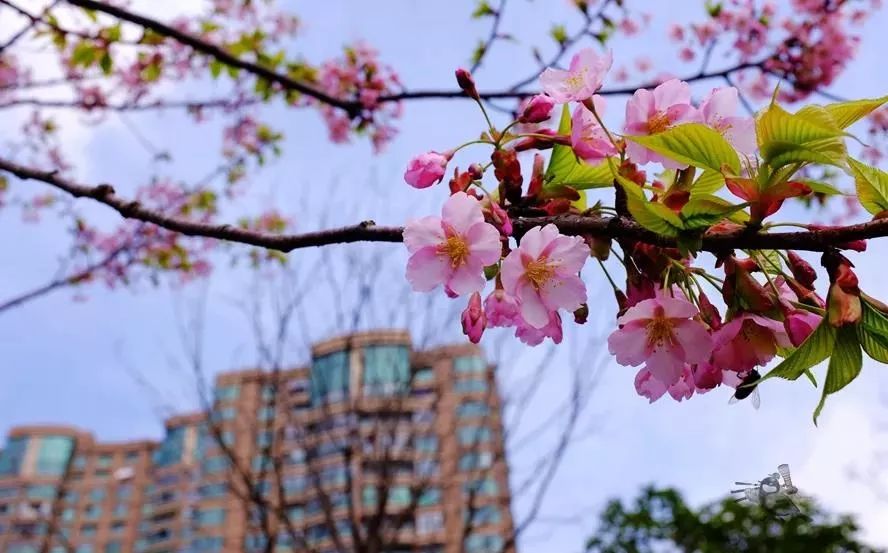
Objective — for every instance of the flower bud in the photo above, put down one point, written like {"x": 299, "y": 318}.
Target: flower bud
{"x": 538, "y": 109}
{"x": 467, "y": 83}
{"x": 801, "y": 270}
{"x": 473, "y": 319}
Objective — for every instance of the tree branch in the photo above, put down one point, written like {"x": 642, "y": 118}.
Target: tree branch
{"x": 368, "y": 231}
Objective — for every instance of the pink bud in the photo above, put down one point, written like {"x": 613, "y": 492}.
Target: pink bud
{"x": 473, "y": 319}
{"x": 538, "y": 109}
{"x": 467, "y": 83}
{"x": 426, "y": 169}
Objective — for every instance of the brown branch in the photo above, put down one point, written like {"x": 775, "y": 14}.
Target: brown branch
{"x": 485, "y": 46}
{"x": 223, "y": 103}
{"x": 368, "y": 231}
{"x": 217, "y": 52}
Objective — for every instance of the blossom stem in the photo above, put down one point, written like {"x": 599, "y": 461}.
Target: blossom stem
{"x": 481, "y": 141}
{"x": 610, "y": 137}
{"x": 607, "y": 275}
{"x": 809, "y": 308}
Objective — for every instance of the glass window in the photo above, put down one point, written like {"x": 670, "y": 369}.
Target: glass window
{"x": 41, "y": 492}
{"x": 208, "y": 491}
{"x": 170, "y": 450}
{"x": 473, "y": 409}
{"x": 88, "y": 530}
{"x": 475, "y": 460}
{"x": 329, "y": 378}
{"x": 468, "y": 435}
{"x": 210, "y": 517}
{"x": 386, "y": 370}
{"x": 8, "y": 492}
{"x": 484, "y": 514}
{"x": 469, "y": 386}
{"x": 11, "y": 457}
{"x": 132, "y": 456}
{"x": 266, "y": 413}
{"x": 120, "y": 510}
{"x": 429, "y": 496}
{"x": 267, "y": 392}
{"x": 91, "y": 512}
{"x": 113, "y": 547}
{"x": 207, "y": 543}
{"x": 295, "y": 484}
{"x": 265, "y": 438}
{"x": 424, "y": 375}
{"x": 97, "y": 495}
{"x": 226, "y": 414}
{"x": 429, "y": 523}
{"x": 225, "y": 393}
{"x": 473, "y": 364}
{"x": 399, "y": 495}
{"x": 482, "y": 486}
{"x": 483, "y": 543}
{"x": 427, "y": 444}
{"x": 84, "y": 548}
{"x": 54, "y": 454}
{"x": 104, "y": 461}
{"x": 369, "y": 495}
{"x": 215, "y": 464}
{"x": 426, "y": 467}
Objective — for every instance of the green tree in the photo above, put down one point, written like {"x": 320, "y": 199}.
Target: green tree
{"x": 660, "y": 521}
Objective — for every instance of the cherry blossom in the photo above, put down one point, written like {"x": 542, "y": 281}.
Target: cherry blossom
{"x": 502, "y": 309}
{"x": 651, "y": 112}
{"x": 473, "y": 319}
{"x": 748, "y": 341}
{"x": 587, "y": 138}
{"x": 581, "y": 80}
{"x": 426, "y": 169}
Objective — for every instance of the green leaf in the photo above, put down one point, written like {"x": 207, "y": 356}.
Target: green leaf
{"x": 785, "y": 138}
{"x": 844, "y": 365}
{"x": 817, "y": 347}
{"x": 84, "y": 54}
{"x": 872, "y": 186}
{"x": 845, "y": 114}
{"x": 875, "y": 345}
{"x": 694, "y": 144}
{"x": 706, "y": 210}
{"x": 566, "y": 169}
{"x": 652, "y": 216}
{"x": 769, "y": 260}
{"x": 216, "y": 68}
{"x": 873, "y": 319}
{"x": 820, "y": 187}
{"x": 482, "y": 9}
{"x": 106, "y": 63}
{"x": 709, "y": 182}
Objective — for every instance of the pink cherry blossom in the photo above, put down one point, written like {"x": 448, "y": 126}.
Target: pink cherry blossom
{"x": 707, "y": 377}
{"x": 650, "y": 387}
{"x": 748, "y": 341}
{"x": 543, "y": 274}
{"x": 662, "y": 333}
{"x": 582, "y": 79}
{"x": 501, "y": 309}
{"x": 533, "y": 336}
{"x": 473, "y": 319}
{"x": 537, "y": 109}
{"x": 587, "y": 137}
{"x": 451, "y": 250}
{"x": 426, "y": 169}
{"x": 651, "y": 112}
{"x": 684, "y": 388}
{"x": 719, "y": 110}
{"x": 800, "y": 324}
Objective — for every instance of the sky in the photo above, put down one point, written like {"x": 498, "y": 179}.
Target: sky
{"x": 114, "y": 363}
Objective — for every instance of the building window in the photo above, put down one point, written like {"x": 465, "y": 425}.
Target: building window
{"x": 92, "y": 512}
{"x": 469, "y": 435}
{"x": 210, "y": 491}
{"x": 473, "y": 364}
{"x": 483, "y": 543}
{"x": 170, "y": 450}
{"x": 113, "y": 547}
{"x": 429, "y": 523}
{"x": 120, "y": 510}
{"x": 88, "y": 530}
{"x": 266, "y": 413}
{"x": 41, "y": 492}
{"x": 481, "y": 486}
{"x": 97, "y": 495}
{"x": 226, "y": 393}
{"x": 369, "y": 495}
{"x": 53, "y": 455}
{"x": 469, "y": 386}
{"x": 426, "y": 467}
{"x": 295, "y": 484}
{"x": 484, "y": 514}
{"x": 132, "y": 456}
{"x": 84, "y": 548}
{"x": 329, "y": 378}
{"x": 104, "y": 461}
{"x": 475, "y": 460}
{"x": 428, "y": 497}
{"x": 215, "y": 464}
{"x": 12, "y": 456}
{"x": 208, "y": 544}
{"x": 427, "y": 444}
{"x": 265, "y": 438}
{"x": 386, "y": 370}
{"x": 210, "y": 517}
{"x": 473, "y": 409}
{"x": 424, "y": 375}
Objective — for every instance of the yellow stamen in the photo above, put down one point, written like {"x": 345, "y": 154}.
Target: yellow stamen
{"x": 659, "y": 329}
{"x": 658, "y": 123}
{"x": 456, "y": 249}
{"x": 539, "y": 272}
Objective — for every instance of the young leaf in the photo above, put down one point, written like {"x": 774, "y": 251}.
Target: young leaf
{"x": 694, "y": 144}
{"x": 705, "y": 211}
{"x": 652, "y": 216}
{"x": 846, "y": 114}
{"x": 709, "y": 182}
{"x": 566, "y": 169}
{"x": 844, "y": 365}
{"x": 875, "y": 345}
{"x": 819, "y": 187}
{"x": 872, "y": 186}
{"x": 786, "y": 138}
{"x": 817, "y": 347}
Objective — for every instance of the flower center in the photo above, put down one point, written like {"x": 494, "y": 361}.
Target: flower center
{"x": 576, "y": 80}
{"x": 658, "y": 123}
{"x": 659, "y": 329}
{"x": 538, "y": 272}
{"x": 456, "y": 249}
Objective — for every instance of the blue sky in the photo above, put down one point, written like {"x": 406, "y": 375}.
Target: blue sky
{"x": 74, "y": 362}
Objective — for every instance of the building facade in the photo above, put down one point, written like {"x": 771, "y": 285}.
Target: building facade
{"x": 373, "y": 447}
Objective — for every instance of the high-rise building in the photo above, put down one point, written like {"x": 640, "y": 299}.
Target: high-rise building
{"x": 372, "y": 447}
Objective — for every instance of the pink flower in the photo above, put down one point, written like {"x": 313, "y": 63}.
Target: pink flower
{"x": 799, "y": 325}
{"x": 426, "y": 169}
{"x": 684, "y": 388}
{"x": 543, "y": 274}
{"x": 452, "y": 250}
{"x": 473, "y": 319}
{"x": 537, "y": 109}
{"x": 534, "y": 336}
{"x": 719, "y": 110}
{"x": 587, "y": 137}
{"x": 653, "y": 112}
{"x": 748, "y": 341}
{"x": 501, "y": 309}
{"x": 661, "y": 333}
{"x": 647, "y": 385}
{"x": 581, "y": 80}
{"x": 707, "y": 377}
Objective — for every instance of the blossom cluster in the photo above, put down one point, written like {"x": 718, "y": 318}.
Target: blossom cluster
{"x": 667, "y": 326}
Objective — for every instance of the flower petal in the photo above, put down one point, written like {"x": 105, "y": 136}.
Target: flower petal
{"x": 467, "y": 278}
{"x": 628, "y": 345}
{"x": 423, "y": 232}
{"x": 694, "y": 340}
{"x": 462, "y": 211}
{"x": 533, "y": 310}
{"x": 484, "y": 243}
{"x": 426, "y": 269}
{"x": 563, "y": 293}
{"x": 665, "y": 366}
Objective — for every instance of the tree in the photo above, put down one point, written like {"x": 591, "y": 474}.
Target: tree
{"x": 660, "y": 520}
{"x": 716, "y": 179}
